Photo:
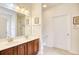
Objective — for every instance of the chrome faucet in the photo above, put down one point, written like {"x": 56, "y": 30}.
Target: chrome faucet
{"x": 26, "y": 36}
{"x": 9, "y": 39}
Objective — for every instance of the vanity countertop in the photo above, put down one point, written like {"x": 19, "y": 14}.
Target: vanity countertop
{"x": 17, "y": 41}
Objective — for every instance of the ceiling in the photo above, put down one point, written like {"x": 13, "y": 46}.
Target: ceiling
{"x": 28, "y": 6}
{"x": 49, "y": 5}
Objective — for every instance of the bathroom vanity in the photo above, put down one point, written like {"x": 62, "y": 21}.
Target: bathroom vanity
{"x": 19, "y": 35}
{"x": 20, "y": 47}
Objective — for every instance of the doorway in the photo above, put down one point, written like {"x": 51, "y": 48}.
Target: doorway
{"x": 62, "y": 32}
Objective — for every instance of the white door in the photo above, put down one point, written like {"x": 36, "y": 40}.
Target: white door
{"x": 62, "y": 32}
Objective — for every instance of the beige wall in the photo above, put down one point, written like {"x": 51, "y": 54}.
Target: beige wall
{"x": 63, "y": 9}
{"x": 36, "y": 12}
{"x": 36, "y": 28}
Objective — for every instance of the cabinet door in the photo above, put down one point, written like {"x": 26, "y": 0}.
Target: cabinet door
{"x": 26, "y": 49}
{"x": 15, "y": 50}
{"x": 21, "y": 49}
{"x": 8, "y": 51}
{"x": 30, "y": 48}
{"x": 36, "y": 46}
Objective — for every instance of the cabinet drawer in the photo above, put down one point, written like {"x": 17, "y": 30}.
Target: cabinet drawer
{"x": 15, "y": 50}
{"x": 36, "y": 45}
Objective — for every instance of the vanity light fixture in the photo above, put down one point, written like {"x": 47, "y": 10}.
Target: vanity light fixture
{"x": 22, "y": 9}
{"x": 17, "y": 8}
{"x": 44, "y": 5}
{"x": 26, "y": 12}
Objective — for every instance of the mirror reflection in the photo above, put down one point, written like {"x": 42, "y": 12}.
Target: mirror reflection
{"x": 20, "y": 24}
{"x": 13, "y": 24}
{"x": 7, "y": 24}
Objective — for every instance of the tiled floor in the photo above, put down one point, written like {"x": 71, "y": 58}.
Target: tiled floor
{"x": 55, "y": 51}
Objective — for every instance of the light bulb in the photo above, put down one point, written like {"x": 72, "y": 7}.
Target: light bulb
{"x": 17, "y": 8}
{"x": 26, "y": 12}
{"x": 22, "y": 9}
{"x": 44, "y": 6}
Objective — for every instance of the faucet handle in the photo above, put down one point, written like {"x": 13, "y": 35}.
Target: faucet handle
{"x": 26, "y": 36}
{"x": 10, "y": 39}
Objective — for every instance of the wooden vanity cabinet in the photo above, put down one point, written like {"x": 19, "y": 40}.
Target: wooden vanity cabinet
{"x": 21, "y": 49}
{"x": 25, "y": 48}
{"x": 36, "y": 46}
{"x": 8, "y": 51}
{"x": 15, "y": 50}
{"x": 28, "y": 48}
{"x": 33, "y": 47}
